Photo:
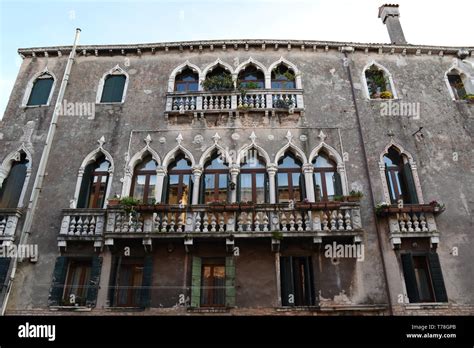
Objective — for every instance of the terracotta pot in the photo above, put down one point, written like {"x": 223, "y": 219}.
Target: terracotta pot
{"x": 113, "y": 202}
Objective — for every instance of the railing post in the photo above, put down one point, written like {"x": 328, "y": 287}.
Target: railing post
{"x": 233, "y": 102}
{"x": 169, "y": 103}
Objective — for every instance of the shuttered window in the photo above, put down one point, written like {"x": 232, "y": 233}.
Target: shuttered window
{"x": 423, "y": 277}
{"x": 399, "y": 177}
{"x": 113, "y": 89}
{"x": 12, "y": 186}
{"x": 4, "y": 266}
{"x": 41, "y": 90}
{"x": 297, "y": 284}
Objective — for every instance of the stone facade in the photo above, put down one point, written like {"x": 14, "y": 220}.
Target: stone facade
{"x": 332, "y": 112}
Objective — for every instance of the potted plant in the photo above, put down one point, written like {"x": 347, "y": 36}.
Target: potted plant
{"x": 114, "y": 201}
{"x": 469, "y": 98}
{"x": 437, "y": 207}
{"x": 355, "y": 196}
{"x": 386, "y": 95}
{"x": 222, "y": 82}
{"x": 129, "y": 204}
{"x": 382, "y": 208}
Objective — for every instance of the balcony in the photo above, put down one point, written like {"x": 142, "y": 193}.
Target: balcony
{"x": 315, "y": 220}
{"x": 8, "y": 223}
{"x": 411, "y": 221}
{"x": 254, "y": 100}
{"x": 82, "y": 225}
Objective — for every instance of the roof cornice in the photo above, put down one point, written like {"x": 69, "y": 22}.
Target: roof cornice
{"x": 199, "y": 46}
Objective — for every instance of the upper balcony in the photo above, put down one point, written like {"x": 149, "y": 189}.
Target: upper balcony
{"x": 82, "y": 225}
{"x": 8, "y": 223}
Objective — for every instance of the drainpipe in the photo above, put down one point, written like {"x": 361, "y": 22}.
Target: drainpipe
{"x": 42, "y": 166}
{"x": 345, "y": 50}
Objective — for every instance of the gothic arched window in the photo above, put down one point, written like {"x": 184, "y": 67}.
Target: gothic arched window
{"x": 144, "y": 181}
{"x": 327, "y": 180}
{"x": 399, "y": 177}
{"x": 179, "y": 187}
{"x": 12, "y": 186}
{"x": 94, "y": 184}
{"x": 215, "y": 181}
{"x": 253, "y": 181}
{"x": 290, "y": 181}
{"x": 186, "y": 81}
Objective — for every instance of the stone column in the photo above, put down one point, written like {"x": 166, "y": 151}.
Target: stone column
{"x": 197, "y": 172}
{"x": 308, "y": 180}
{"x": 104, "y": 279}
{"x": 160, "y": 178}
{"x": 234, "y": 173}
{"x": 272, "y": 169}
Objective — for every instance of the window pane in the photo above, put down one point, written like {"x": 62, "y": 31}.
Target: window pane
{"x": 260, "y": 187}
{"x": 40, "y": 91}
{"x": 173, "y": 189}
{"x": 222, "y": 196}
{"x": 151, "y": 189}
{"x": 283, "y": 191}
{"x": 330, "y": 185}
{"x": 209, "y": 180}
{"x": 246, "y": 187}
{"x": 186, "y": 193}
{"x": 296, "y": 186}
{"x": 113, "y": 89}
{"x": 318, "y": 188}
{"x": 139, "y": 188}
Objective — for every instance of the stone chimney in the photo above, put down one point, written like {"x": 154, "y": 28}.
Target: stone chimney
{"x": 390, "y": 17}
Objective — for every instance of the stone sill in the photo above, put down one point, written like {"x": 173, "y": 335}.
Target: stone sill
{"x": 209, "y": 310}
{"x": 70, "y": 308}
{"x": 427, "y": 305}
{"x": 34, "y": 106}
{"x": 110, "y": 103}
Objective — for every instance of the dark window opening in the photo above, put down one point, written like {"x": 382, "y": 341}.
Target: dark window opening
{"x": 12, "y": 186}
{"x": 215, "y": 181}
{"x": 289, "y": 179}
{"x": 77, "y": 282}
{"x": 423, "y": 277}
{"x": 327, "y": 180}
{"x": 399, "y": 178}
{"x": 297, "y": 284}
{"x": 213, "y": 283}
{"x": 180, "y": 181}
{"x": 41, "y": 90}
{"x": 377, "y": 83}
{"x": 187, "y": 81}
{"x": 457, "y": 85}
{"x": 253, "y": 180}
{"x": 283, "y": 78}
{"x": 144, "y": 181}
{"x": 94, "y": 184}
{"x": 113, "y": 89}
{"x": 251, "y": 78}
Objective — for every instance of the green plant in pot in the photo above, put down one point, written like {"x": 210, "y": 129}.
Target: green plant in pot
{"x": 221, "y": 82}
{"x": 355, "y": 196}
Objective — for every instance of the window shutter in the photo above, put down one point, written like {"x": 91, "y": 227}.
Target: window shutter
{"x": 164, "y": 192}
{"x": 116, "y": 261}
{"x": 302, "y": 187}
{"x": 191, "y": 189}
{"x": 309, "y": 285}
{"x": 40, "y": 92}
{"x": 4, "y": 266}
{"x": 83, "y": 200}
{"x": 437, "y": 278}
{"x": 410, "y": 184}
{"x": 113, "y": 89}
{"x": 202, "y": 188}
{"x": 196, "y": 282}
{"x": 286, "y": 279}
{"x": 59, "y": 277}
{"x": 93, "y": 288}
{"x": 389, "y": 187}
{"x": 10, "y": 192}
{"x": 145, "y": 292}
{"x": 410, "y": 278}
{"x": 230, "y": 281}
{"x": 337, "y": 184}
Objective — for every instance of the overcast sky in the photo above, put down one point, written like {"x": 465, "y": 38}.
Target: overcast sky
{"x": 52, "y": 23}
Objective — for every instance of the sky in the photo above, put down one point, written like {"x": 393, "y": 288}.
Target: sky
{"x": 52, "y": 23}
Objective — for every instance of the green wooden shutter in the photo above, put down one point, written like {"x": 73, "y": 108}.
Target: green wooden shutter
{"x": 116, "y": 261}
{"x": 196, "y": 282}
{"x": 337, "y": 184}
{"x": 145, "y": 293}
{"x": 437, "y": 278}
{"x": 410, "y": 278}
{"x": 230, "y": 281}
{"x": 93, "y": 288}
{"x": 286, "y": 280}
{"x": 59, "y": 277}
{"x": 113, "y": 89}
{"x": 83, "y": 200}
{"x": 40, "y": 92}
{"x": 410, "y": 185}
{"x": 4, "y": 266}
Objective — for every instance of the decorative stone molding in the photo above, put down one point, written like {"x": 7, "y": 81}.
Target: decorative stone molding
{"x": 414, "y": 170}
{"x": 387, "y": 74}
{"x": 290, "y": 145}
{"x": 209, "y": 152}
{"x": 116, "y": 70}
{"x": 298, "y": 83}
{"x": 259, "y": 66}
{"x": 180, "y": 68}
{"x": 214, "y": 64}
{"x": 7, "y": 164}
{"x": 29, "y": 87}
{"x": 90, "y": 158}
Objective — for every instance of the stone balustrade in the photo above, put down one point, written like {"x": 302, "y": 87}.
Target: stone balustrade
{"x": 82, "y": 224}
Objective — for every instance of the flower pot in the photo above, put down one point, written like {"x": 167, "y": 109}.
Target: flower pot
{"x": 353, "y": 199}
{"x": 113, "y": 202}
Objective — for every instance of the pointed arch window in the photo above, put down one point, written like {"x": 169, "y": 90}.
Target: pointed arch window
{"x": 179, "y": 187}
{"x": 283, "y": 77}
{"x": 290, "y": 181}
{"x": 41, "y": 90}
{"x": 113, "y": 89}
{"x": 215, "y": 181}
{"x": 218, "y": 79}
{"x": 186, "y": 81}
{"x": 399, "y": 177}
{"x": 327, "y": 180}
{"x": 144, "y": 181}
{"x": 94, "y": 184}
{"x": 12, "y": 186}
{"x": 253, "y": 181}
{"x": 378, "y": 83}
{"x": 456, "y": 82}
{"x": 251, "y": 78}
